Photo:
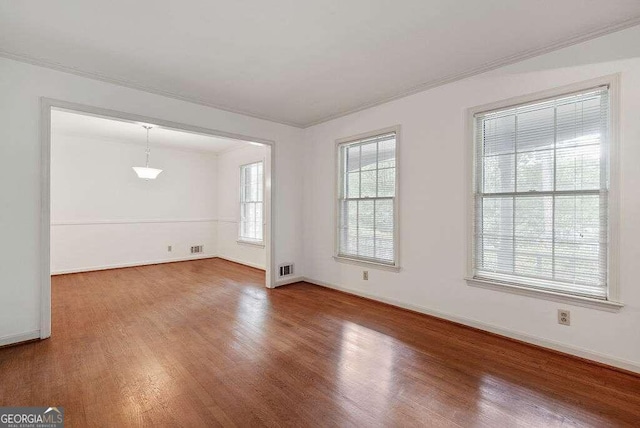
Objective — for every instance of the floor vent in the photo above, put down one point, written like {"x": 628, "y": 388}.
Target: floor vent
{"x": 197, "y": 249}
{"x": 286, "y": 270}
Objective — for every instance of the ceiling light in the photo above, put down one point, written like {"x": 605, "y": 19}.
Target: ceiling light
{"x": 145, "y": 172}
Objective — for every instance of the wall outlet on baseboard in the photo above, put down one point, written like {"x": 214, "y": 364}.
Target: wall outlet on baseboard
{"x": 365, "y": 275}
{"x": 169, "y": 248}
{"x": 564, "y": 317}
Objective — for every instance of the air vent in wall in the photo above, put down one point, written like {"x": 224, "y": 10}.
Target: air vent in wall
{"x": 197, "y": 249}
{"x": 286, "y": 270}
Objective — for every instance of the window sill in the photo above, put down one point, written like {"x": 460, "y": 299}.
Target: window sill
{"x": 251, "y": 243}
{"x": 588, "y": 302}
{"x": 366, "y": 263}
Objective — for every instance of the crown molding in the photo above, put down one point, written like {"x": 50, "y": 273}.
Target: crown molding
{"x": 134, "y": 85}
{"x": 492, "y": 65}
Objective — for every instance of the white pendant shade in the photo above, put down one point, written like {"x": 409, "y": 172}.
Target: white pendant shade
{"x": 146, "y": 173}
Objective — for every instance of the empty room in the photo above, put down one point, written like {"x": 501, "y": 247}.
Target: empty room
{"x": 355, "y": 213}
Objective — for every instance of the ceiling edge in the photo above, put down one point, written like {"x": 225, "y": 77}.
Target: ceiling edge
{"x": 493, "y": 65}
{"x": 133, "y": 85}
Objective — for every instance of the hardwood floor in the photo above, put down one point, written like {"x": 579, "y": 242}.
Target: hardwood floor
{"x": 203, "y": 343}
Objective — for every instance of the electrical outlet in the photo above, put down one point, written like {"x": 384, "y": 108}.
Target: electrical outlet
{"x": 365, "y": 275}
{"x": 564, "y": 317}
{"x": 169, "y": 248}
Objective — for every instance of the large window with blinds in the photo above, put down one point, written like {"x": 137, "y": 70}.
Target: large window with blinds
{"x": 367, "y": 198}
{"x": 251, "y": 203}
{"x": 541, "y": 194}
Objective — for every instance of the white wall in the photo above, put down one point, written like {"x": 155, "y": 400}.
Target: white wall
{"x": 103, "y": 215}
{"x": 432, "y": 204}
{"x": 229, "y": 163}
{"x": 21, "y": 86}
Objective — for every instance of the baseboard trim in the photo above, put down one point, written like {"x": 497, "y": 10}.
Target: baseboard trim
{"x": 590, "y": 356}
{"x": 241, "y": 262}
{"x": 290, "y": 281}
{"x": 132, "y": 264}
{"x": 14, "y": 339}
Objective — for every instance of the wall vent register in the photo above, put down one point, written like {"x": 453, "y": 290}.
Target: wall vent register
{"x": 285, "y": 270}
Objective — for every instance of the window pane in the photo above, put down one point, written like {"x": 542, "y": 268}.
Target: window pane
{"x": 260, "y": 183}
{"x": 254, "y": 182}
{"x": 579, "y": 257}
{"x": 499, "y": 135}
{"x": 536, "y": 129}
{"x": 535, "y": 171}
{"x": 353, "y": 185}
{"x": 368, "y": 184}
{"x": 243, "y": 226}
{"x": 365, "y": 228}
{"x": 349, "y": 227}
{"x": 259, "y": 220}
{"x": 499, "y": 174}
{"x": 245, "y": 212}
{"x": 251, "y": 212}
{"x": 579, "y": 123}
{"x": 578, "y": 168}
{"x": 578, "y": 218}
{"x": 496, "y": 240}
{"x": 533, "y": 235}
{"x": 369, "y": 156}
{"x": 353, "y": 158}
{"x": 384, "y": 229}
{"x": 489, "y": 262}
{"x": 247, "y": 177}
{"x": 247, "y": 191}
{"x": 571, "y": 268}
{"x": 386, "y": 182}
{"x": 387, "y": 154}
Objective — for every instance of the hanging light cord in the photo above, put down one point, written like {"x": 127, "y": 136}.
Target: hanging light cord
{"x": 148, "y": 150}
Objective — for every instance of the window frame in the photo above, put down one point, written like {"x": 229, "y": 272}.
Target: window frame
{"x": 361, "y": 261}
{"x": 241, "y": 239}
{"x": 612, "y": 301}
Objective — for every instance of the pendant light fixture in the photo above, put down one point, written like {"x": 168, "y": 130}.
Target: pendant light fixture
{"x": 145, "y": 172}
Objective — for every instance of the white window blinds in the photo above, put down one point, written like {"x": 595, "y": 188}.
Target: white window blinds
{"x": 251, "y": 202}
{"x": 541, "y": 181}
{"x": 367, "y": 199}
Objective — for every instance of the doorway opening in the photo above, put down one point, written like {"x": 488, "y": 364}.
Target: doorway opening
{"x": 122, "y": 190}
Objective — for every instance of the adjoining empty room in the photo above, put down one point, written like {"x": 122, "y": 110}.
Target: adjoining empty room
{"x": 107, "y": 212}
{"x": 361, "y": 213}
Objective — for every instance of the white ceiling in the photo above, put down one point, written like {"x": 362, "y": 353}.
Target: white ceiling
{"x": 293, "y": 61}
{"x": 105, "y": 129}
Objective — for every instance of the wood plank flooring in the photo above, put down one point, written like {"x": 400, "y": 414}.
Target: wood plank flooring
{"x": 203, "y": 343}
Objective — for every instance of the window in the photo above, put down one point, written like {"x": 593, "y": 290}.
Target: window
{"x": 541, "y": 194}
{"x": 251, "y": 203}
{"x": 367, "y": 205}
